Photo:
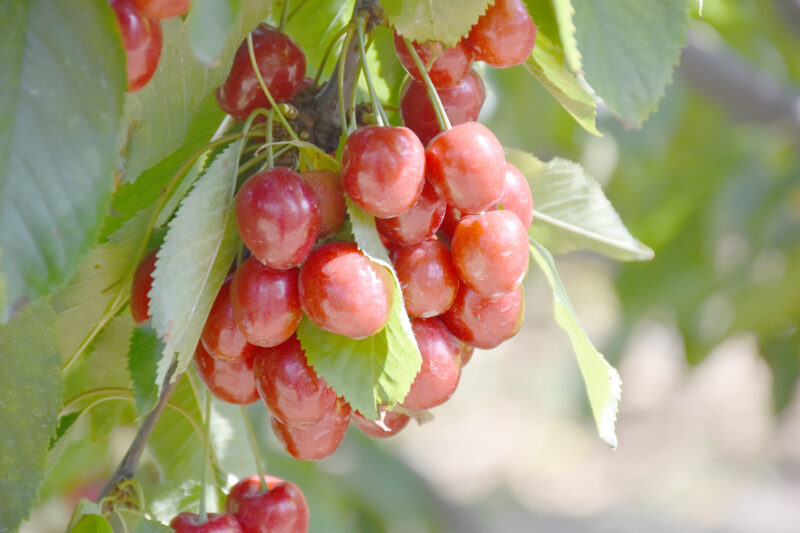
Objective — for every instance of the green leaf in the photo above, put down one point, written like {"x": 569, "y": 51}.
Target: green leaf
{"x": 630, "y": 49}
{"x": 198, "y": 250}
{"x": 31, "y": 383}
{"x": 571, "y": 212}
{"x": 603, "y": 384}
{"x": 208, "y": 26}
{"x": 566, "y": 31}
{"x": 547, "y": 63}
{"x": 92, "y": 523}
{"x": 145, "y": 351}
{"x": 444, "y": 20}
{"x": 151, "y": 526}
{"x": 57, "y": 139}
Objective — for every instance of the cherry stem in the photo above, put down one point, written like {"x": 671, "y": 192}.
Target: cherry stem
{"x": 340, "y": 78}
{"x": 284, "y": 14}
{"x": 328, "y": 51}
{"x": 376, "y": 103}
{"x": 203, "y": 472}
{"x": 264, "y": 88}
{"x": 270, "y": 151}
{"x": 251, "y": 435}
{"x": 441, "y": 114}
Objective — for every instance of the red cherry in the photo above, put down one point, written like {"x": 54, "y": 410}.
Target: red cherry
{"x": 282, "y": 66}
{"x": 485, "y": 322}
{"x": 383, "y": 169}
{"x": 392, "y": 422}
{"x": 466, "y": 353}
{"x": 441, "y": 367}
{"x": 452, "y": 216}
{"x": 214, "y": 523}
{"x": 230, "y": 382}
{"x": 280, "y": 509}
{"x": 221, "y": 337}
{"x": 329, "y": 192}
{"x": 462, "y": 103}
{"x": 516, "y": 196}
{"x": 427, "y": 277}
{"x": 289, "y": 386}
{"x": 265, "y": 302}
{"x": 317, "y": 441}
{"x": 142, "y": 39}
{"x": 446, "y": 66}
{"x": 344, "y": 292}
{"x": 142, "y": 283}
{"x": 163, "y": 9}
{"x": 504, "y": 36}
{"x": 278, "y": 217}
{"x": 467, "y": 166}
{"x": 490, "y": 252}
{"x": 418, "y": 223}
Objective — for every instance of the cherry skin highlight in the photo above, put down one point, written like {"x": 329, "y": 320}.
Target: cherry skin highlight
{"x": 282, "y": 66}
{"x": 317, "y": 441}
{"x": 462, "y": 103}
{"x": 393, "y": 422}
{"x": 140, "y": 288}
{"x": 383, "y": 169}
{"x": 328, "y": 189}
{"x": 418, "y": 223}
{"x": 230, "y": 382}
{"x": 427, "y": 277}
{"x": 163, "y": 9}
{"x": 281, "y": 509}
{"x": 214, "y": 523}
{"x": 441, "y": 365}
{"x": 485, "y": 322}
{"x": 504, "y": 36}
{"x": 490, "y": 252}
{"x": 446, "y": 67}
{"x": 343, "y": 292}
{"x": 142, "y": 39}
{"x": 221, "y": 337}
{"x": 265, "y": 302}
{"x": 467, "y": 166}
{"x": 278, "y": 217}
{"x": 290, "y": 388}
{"x": 516, "y": 196}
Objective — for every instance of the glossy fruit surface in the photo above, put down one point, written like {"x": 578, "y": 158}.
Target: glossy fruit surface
{"x": 282, "y": 66}
{"x": 142, "y": 40}
{"x": 278, "y": 217}
{"x": 467, "y": 351}
{"x": 467, "y": 166}
{"x": 221, "y": 337}
{"x": 441, "y": 365}
{"x": 485, "y": 322}
{"x": 230, "y": 382}
{"x": 427, "y": 277}
{"x": 214, "y": 523}
{"x": 327, "y": 186}
{"x": 142, "y": 283}
{"x": 490, "y": 252}
{"x": 383, "y": 169}
{"x": 163, "y": 9}
{"x": 418, "y": 223}
{"x": 289, "y": 386}
{"x": 265, "y": 302}
{"x": 446, "y": 67}
{"x": 504, "y": 36}
{"x": 281, "y": 509}
{"x": 317, "y": 441}
{"x": 452, "y": 216}
{"x": 391, "y": 422}
{"x": 343, "y": 292}
{"x": 516, "y": 196}
{"x": 461, "y": 102}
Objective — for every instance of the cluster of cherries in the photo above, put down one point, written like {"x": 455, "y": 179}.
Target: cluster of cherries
{"x": 140, "y": 25}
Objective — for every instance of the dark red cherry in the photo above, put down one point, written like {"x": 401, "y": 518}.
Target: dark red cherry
{"x": 418, "y": 223}
{"x": 163, "y": 9}
{"x": 427, "y": 277}
{"x": 441, "y": 366}
{"x": 280, "y": 509}
{"x": 214, "y": 523}
{"x": 485, "y": 322}
{"x": 516, "y": 196}
{"x": 230, "y": 382}
{"x": 452, "y": 216}
{"x": 142, "y": 39}
{"x": 317, "y": 441}
{"x": 504, "y": 36}
{"x": 142, "y": 283}
{"x": 446, "y": 67}
{"x": 391, "y": 422}
{"x": 221, "y": 337}
{"x": 328, "y": 189}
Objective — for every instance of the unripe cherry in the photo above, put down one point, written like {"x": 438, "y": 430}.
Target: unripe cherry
{"x": 427, "y": 277}
{"x": 418, "y": 223}
{"x": 504, "y": 36}
{"x": 438, "y": 377}
{"x": 485, "y": 322}
{"x": 446, "y": 67}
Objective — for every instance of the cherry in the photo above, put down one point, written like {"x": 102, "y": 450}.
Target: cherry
{"x": 485, "y": 322}
{"x": 490, "y": 252}
{"x": 289, "y": 386}
{"x": 278, "y": 217}
{"x": 504, "y": 36}
{"x": 214, "y": 523}
{"x": 163, "y": 9}
{"x": 427, "y": 277}
{"x": 418, "y": 223}
{"x": 221, "y": 337}
{"x": 516, "y": 196}
{"x": 142, "y": 283}
{"x": 441, "y": 366}
{"x": 446, "y": 66}
{"x": 383, "y": 169}
{"x": 392, "y": 422}
{"x": 142, "y": 39}
{"x": 452, "y": 216}
{"x": 317, "y": 441}
{"x": 329, "y": 192}
{"x": 344, "y": 292}
{"x": 230, "y": 382}
{"x": 282, "y": 508}
{"x": 466, "y": 353}
{"x": 265, "y": 302}
{"x": 282, "y": 66}
{"x": 462, "y": 103}
{"x": 467, "y": 166}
